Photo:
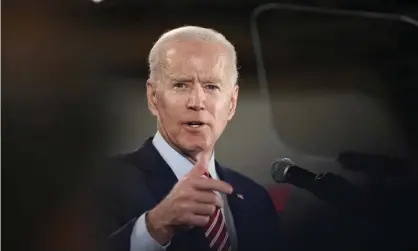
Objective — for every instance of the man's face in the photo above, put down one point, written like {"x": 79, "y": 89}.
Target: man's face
{"x": 193, "y": 97}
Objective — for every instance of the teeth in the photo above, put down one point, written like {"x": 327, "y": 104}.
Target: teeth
{"x": 194, "y": 124}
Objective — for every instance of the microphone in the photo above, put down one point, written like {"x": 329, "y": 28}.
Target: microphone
{"x": 331, "y": 188}
{"x": 285, "y": 171}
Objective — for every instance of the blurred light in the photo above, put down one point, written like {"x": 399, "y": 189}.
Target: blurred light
{"x": 97, "y": 1}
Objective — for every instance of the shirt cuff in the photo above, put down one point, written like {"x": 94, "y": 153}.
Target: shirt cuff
{"x": 141, "y": 240}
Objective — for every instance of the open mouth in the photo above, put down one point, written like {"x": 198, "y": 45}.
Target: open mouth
{"x": 195, "y": 124}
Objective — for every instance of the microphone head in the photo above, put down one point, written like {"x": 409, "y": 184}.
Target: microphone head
{"x": 279, "y": 168}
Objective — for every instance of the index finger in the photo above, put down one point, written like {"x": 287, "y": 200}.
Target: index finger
{"x": 200, "y": 166}
{"x": 213, "y": 185}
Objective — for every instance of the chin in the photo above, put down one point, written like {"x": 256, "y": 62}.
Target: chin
{"x": 195, "y": 146}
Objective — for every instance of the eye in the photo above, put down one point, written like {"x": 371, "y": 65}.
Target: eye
{"x": 179, "y": 85}
{"x": 212, "y": 87}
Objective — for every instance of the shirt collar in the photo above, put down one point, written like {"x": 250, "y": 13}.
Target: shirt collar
{"x": 177, "y": 162}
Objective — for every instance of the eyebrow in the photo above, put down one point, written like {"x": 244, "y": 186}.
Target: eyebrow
{"x": 185, "y": 78}
{"x": 211, "y": 80}
{"x": 181, "y": 78}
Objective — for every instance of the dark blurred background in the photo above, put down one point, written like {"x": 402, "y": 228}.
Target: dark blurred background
{"x": 338, "y": 95}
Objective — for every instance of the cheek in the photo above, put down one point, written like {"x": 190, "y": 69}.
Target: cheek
{"x": 221, "y": 113}
{"x": 169, "y": 108}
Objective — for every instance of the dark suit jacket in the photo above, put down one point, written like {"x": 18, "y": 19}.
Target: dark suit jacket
{"x": 134, "y": 183}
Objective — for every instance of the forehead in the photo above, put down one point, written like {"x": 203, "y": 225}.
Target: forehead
{"x": 195, "y": 58}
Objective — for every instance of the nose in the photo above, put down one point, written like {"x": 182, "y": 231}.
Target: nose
{"x": 197, "y": 98}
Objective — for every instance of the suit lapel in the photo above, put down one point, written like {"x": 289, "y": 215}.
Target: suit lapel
{"x": 160, "y": 177}
{"x": 235, "y": 199}
{"x": 236, "y": 203}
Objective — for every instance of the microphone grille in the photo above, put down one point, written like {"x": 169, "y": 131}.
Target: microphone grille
{"x": 278, "y": 169}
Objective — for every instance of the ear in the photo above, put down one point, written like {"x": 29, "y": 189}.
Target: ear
{"x": 152, "y": 98}
{"x": 233, "y": 103}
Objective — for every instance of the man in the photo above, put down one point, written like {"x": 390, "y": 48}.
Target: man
{"x": 171, "y": 194}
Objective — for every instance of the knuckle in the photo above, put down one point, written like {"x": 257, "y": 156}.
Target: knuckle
{"x": 205, "y": 220}
{"x": 212, "y": 209}
{"x": 193, "y": 197}
{"x": 183, "y": 206}
{"x": 213, "y": 198}
{"x": 188, "y": 179}
{"x": 182, "y": 218}
{"x": 189, "y": 219}
{"x": 183, "y": 193}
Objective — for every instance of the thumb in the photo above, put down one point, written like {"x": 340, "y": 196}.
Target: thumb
{"x": 201, "y": 165}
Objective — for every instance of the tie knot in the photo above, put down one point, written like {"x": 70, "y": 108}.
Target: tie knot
{"x": 207, "y": 174}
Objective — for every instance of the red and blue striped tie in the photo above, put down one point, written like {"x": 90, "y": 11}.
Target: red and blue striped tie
{"x": 215, "y": 230}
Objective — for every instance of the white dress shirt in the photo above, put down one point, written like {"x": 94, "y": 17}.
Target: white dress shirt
{"x": 141, "y": 240}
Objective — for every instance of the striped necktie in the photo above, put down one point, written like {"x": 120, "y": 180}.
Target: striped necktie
{"x": 215, "y": 230}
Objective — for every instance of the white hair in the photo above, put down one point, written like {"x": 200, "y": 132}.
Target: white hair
{"x": 190, "y": 33}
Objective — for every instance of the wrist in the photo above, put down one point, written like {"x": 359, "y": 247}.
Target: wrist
{"x": 160, "y": 231}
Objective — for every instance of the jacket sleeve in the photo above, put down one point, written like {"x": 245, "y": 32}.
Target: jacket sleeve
{"x": 117, "y": 202}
